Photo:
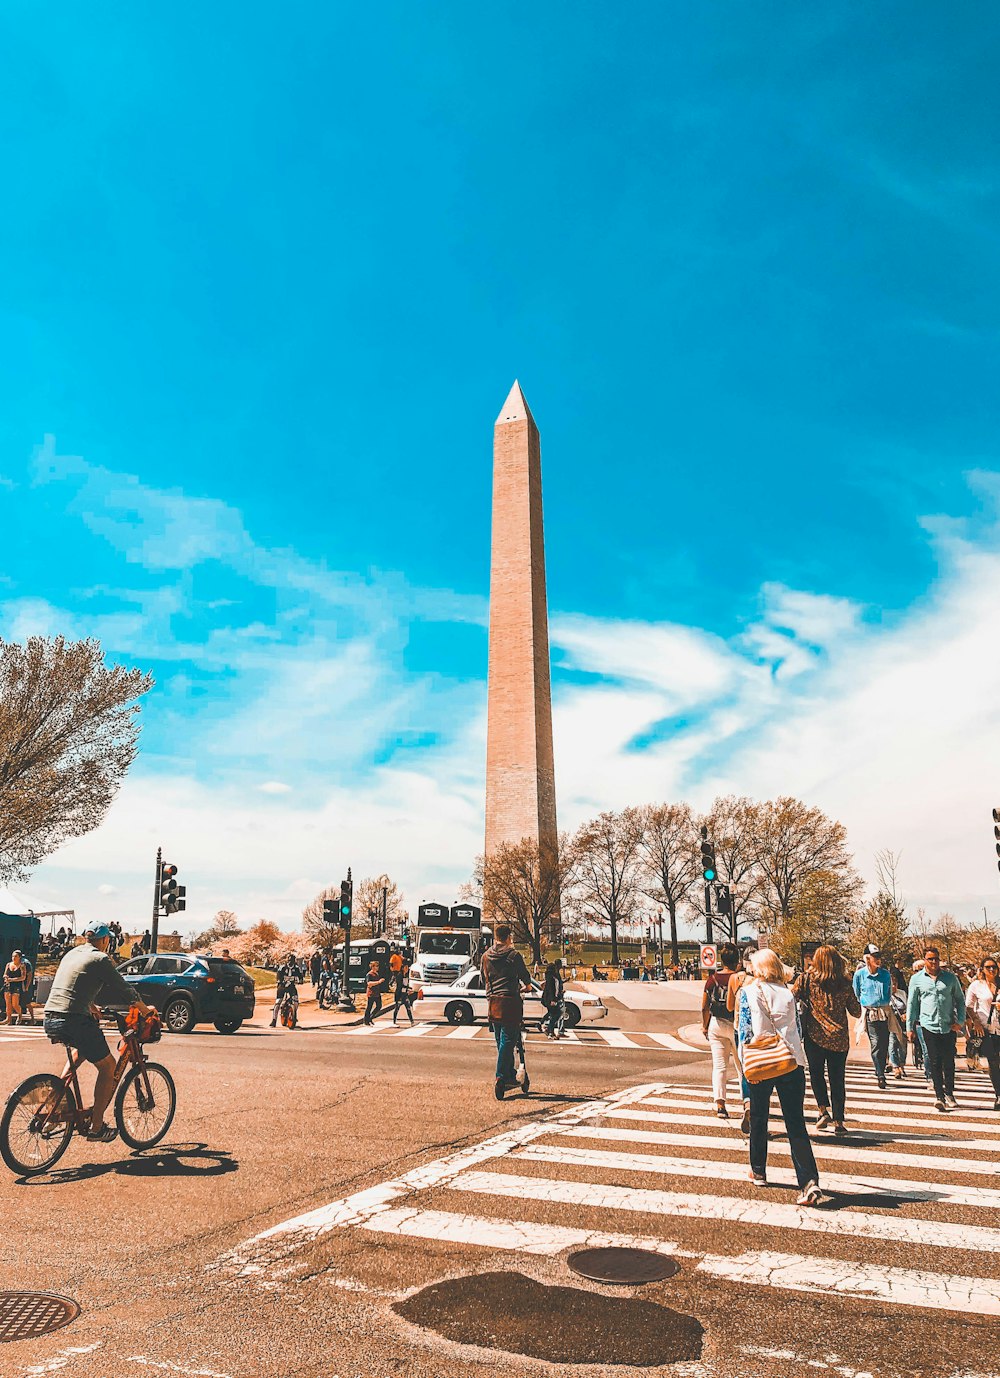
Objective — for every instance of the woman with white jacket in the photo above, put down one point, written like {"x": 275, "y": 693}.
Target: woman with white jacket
{"x": 767, "y": 1007}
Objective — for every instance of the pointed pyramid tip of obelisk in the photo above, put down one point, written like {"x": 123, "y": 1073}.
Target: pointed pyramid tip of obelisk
{"x": 515, "y": 408}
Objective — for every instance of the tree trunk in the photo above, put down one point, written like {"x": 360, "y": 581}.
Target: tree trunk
{"x": 675, "y": 952}
{"x": 614, "y": 940}
{"x": 536, "y": 941}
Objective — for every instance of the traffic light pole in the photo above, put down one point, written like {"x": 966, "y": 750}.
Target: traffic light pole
{"x": 345, "y": 1002}
{"x": 708, "y": 913}
{"x": 154, "y": 932}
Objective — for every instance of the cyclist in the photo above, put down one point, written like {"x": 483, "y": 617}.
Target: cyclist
{"x": 287, "y": 977}
{"x": 86, "y": 977}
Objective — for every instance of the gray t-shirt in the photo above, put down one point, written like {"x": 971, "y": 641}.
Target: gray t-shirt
{"x": 86, "y": 977}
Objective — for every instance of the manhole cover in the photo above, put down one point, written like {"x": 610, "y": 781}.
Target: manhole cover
{"x": 562, "y": 1325}
{"x": 26, "y": 1315}
{"x": 623, "y": 1266}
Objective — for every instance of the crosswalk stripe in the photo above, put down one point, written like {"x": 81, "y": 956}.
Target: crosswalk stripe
{"x": 846, "y": 1278}
{"x": 522, "y": 1236}
{"x": 731, "y": 1209}
{"x": 933, "y": 1117}
{"x": 415, "y": 1030}
{"x": 904, "y": 1188}
{"x": 615, "y": 1039}
{"x": 874, "y": 1135}
{"x": 463, "y": 1031}
{"x": 676, "y": 1045}
{"x": 834, "y": 1150}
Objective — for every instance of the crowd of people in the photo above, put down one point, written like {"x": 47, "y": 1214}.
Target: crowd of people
{"x": 773, "y": 1025}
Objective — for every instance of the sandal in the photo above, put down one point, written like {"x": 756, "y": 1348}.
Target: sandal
{"x": 104, "y": 1135}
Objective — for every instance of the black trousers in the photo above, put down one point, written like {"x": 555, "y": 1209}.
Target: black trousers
{"x": 791, "y": 1089}
{"x": 823, "y": 1063}
{"x": 374, "y": 1006}
{"x": 991, "y": 1052}
{"x": 941, "y": 1060}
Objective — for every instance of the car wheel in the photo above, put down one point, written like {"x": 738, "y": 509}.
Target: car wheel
{"x": 178, "y": 1017}
{"x": 458, "y": 1012}
{"x": 573, "y": 1016}
{"x": 227, "y": 1026}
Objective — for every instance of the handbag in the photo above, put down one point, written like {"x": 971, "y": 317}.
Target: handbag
{"x": 767, "y": 1056}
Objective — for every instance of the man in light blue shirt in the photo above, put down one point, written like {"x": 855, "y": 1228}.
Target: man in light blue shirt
{"x": 873, "y": 987}
{"x": 936, "y": 1004}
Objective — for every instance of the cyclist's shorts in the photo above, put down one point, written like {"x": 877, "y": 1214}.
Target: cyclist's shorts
{"x": 80, "y": 1031}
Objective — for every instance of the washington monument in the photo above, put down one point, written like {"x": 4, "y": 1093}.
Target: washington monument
{"x": 520, "y": 775}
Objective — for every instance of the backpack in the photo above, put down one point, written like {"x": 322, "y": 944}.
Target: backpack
{"x": 717, "y": 1000}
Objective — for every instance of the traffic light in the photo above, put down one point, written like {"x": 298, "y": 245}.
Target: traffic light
{"x": 331, "y": 911}
{"x": 172, "y": 899}
{"x": 708, "y": 869}
{"x": 346, "y": 902}
{"x": 996, "y": 833}
{"x": 723, "y": 899}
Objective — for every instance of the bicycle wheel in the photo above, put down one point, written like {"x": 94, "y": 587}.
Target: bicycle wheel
{"x": 145, "y": 1105}
{"x": 27, "y": 1145}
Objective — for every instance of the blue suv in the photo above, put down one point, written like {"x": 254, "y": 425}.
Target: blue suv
{"x": 192, "y": 990}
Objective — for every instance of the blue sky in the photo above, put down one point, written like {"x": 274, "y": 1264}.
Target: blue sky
{"x": 268, "y": 278}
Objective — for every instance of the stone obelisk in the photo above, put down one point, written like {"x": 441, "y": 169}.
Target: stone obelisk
{"x": 520, "y": 776}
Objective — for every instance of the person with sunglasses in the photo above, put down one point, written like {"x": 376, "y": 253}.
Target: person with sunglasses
{"x": 936, "y": 1005}
{"x": 983, "y": 1002}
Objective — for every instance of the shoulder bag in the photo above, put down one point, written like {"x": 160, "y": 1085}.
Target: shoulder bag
{"x": 767, "y": 1056}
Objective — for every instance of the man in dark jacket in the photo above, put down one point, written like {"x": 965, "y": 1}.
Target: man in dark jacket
{"x": 506, "y": 976}
{"x": 552, "y": 999}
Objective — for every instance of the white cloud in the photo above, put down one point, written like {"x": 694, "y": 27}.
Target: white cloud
{"x": 274, "y": 787}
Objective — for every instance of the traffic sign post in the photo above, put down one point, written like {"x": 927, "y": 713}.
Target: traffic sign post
{"x": 709, "y": 957}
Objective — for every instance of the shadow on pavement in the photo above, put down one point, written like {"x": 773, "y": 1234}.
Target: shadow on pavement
{"x": 174, "y": 1160}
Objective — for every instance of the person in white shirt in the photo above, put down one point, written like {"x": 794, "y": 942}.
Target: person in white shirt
{"x": 982, "y": 1001}
{"x": 770, "y": 1007}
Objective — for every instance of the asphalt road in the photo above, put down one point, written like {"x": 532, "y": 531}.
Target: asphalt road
{"x": 437, "y": 1181}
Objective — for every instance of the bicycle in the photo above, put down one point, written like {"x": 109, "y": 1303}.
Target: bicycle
{"x": 42, "y": 1113}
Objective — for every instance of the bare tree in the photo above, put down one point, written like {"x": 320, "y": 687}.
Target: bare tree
{"x": 522, "y": 885}
{"x": 68, "y": 734}
{"x": 793, "y": 841}
{"x": 668, "y": 845}
{"x": 368, "y": 901}
{"x": 606, "y": 871}
{"x": 224, "y": 925}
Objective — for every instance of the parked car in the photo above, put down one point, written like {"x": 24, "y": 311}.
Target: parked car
{"x": 192, "y": 990}
{"x": 464, "y": 1001}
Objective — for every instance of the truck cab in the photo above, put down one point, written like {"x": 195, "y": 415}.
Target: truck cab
{"x": 449, "y": 942}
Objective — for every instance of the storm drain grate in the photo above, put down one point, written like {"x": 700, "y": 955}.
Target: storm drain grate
{"x": 26, "y": 1315}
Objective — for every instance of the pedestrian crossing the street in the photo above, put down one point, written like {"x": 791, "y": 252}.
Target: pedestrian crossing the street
{"x": 652, "y": 1166}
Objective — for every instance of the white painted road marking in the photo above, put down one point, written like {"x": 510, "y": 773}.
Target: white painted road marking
{"x": 835, "y": 1149}
{"x": 521, "y": 1236}
{"x": 906, "y": 1188}
{"x": 880, "y": 1136}
{"x": 710, "y": 1207}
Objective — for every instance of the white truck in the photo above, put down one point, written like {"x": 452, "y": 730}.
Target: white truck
{"x": 449, "y": 942}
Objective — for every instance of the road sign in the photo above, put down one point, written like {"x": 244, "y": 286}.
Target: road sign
{"x": 709, "y": 960}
